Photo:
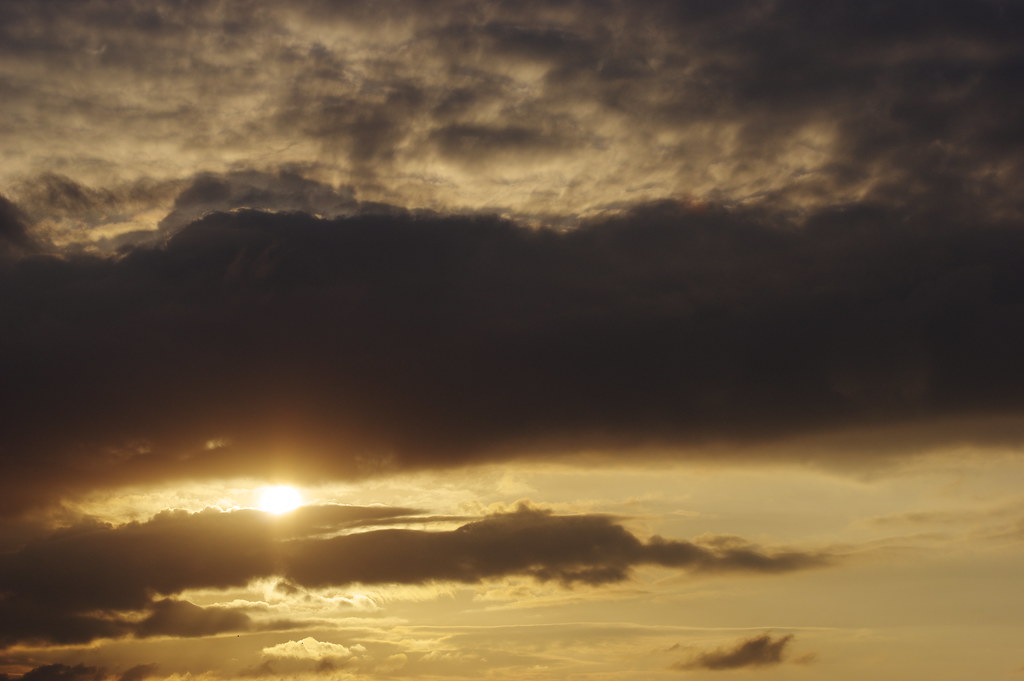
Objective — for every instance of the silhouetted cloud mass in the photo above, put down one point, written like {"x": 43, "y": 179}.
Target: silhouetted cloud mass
{"x": 81, "y": 672}
{"x": 181, "y": 618}
{"x": 353, "y": 246}
{"x": 86, "y": 582}
{"x": 847, "y": 258}
{"x": 63, "y": 672}
{"x": 14, "y": 238}
{"x": 139, "y": 672}
{"x": 759, "y": 651}
{"x": 382, "y": 342}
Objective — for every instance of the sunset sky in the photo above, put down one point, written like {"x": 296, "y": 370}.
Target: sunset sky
{"x": 498, "y": 340}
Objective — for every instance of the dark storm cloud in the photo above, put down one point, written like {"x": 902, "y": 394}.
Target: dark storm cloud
{"x": 63, "y": 672}
{"x": 907, "y": 100}
{"x": 804, "y": 103}
{"x": 567, "y": 549}
{"x": 284, "y": 190}
{"x": 139, "y": 672}
{"x": 180, "y": 618}
{"x": 371, "y": 343}
{"x": 366, "y": 128}
{"x": 81, "y": 672}
{"x": 119, "y": 568}
{"x": 66, "y": 196}
{"x": 759, "y": 651}
{"x": 872, "y": 282}
{"x": 59, "y": 210}
{"x": 474, "y": 143}
{"x": 919, "y": 92}
{"x": 84, "y": 582}
{"x": 14, "y": 238}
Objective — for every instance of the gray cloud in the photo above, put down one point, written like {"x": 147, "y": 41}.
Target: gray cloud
{"x": 181, "y": 618}
{"x": 139, "y": 672}
{"x": 63, "y": 215}
{"x": 14, "y": 238}
{"x": 474, "y": 143}
{"x": 759, "y": 651}
{"x": 568, "y": 549}
{"x": 282, "y": 191}
{"x": 62, "y": 672}
{"x": 796, "y": 234}
{"x": 379, "y": 342}
{"x": 556, "y": 109}
{"x": 81, "y": 672}
{"x": 84, "y": 582}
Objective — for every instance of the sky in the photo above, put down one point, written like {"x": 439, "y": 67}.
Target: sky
{"x": 375, "y": 340}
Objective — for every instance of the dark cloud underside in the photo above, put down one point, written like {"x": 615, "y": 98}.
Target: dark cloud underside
{"x": 345, "y": 345}
{"x": 62, "y": 672}
{"x": 315, "y": 241}
{"x": 759, "y": 651}
{"x": 81, "y": 672}
{"x": 84, "y": 582}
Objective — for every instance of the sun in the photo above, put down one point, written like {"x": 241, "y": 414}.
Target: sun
{"x": 278, "y": 499}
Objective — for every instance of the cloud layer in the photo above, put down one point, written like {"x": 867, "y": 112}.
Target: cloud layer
{"x": 86, "y": 582}
{"x": 549, "y": 110}
{"x": 837, "y": 249}
{"x": 308, "y": 241}
{"x": 343, "y": 347}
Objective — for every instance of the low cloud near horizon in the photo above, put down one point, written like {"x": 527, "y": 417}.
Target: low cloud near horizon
{"x": 117, "y": 570}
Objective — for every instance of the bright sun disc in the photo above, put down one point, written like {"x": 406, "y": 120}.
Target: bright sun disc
{"x": 279, "y": 499}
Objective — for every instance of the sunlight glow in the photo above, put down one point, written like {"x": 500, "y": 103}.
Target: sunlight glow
{"x": 279, "y": 499}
